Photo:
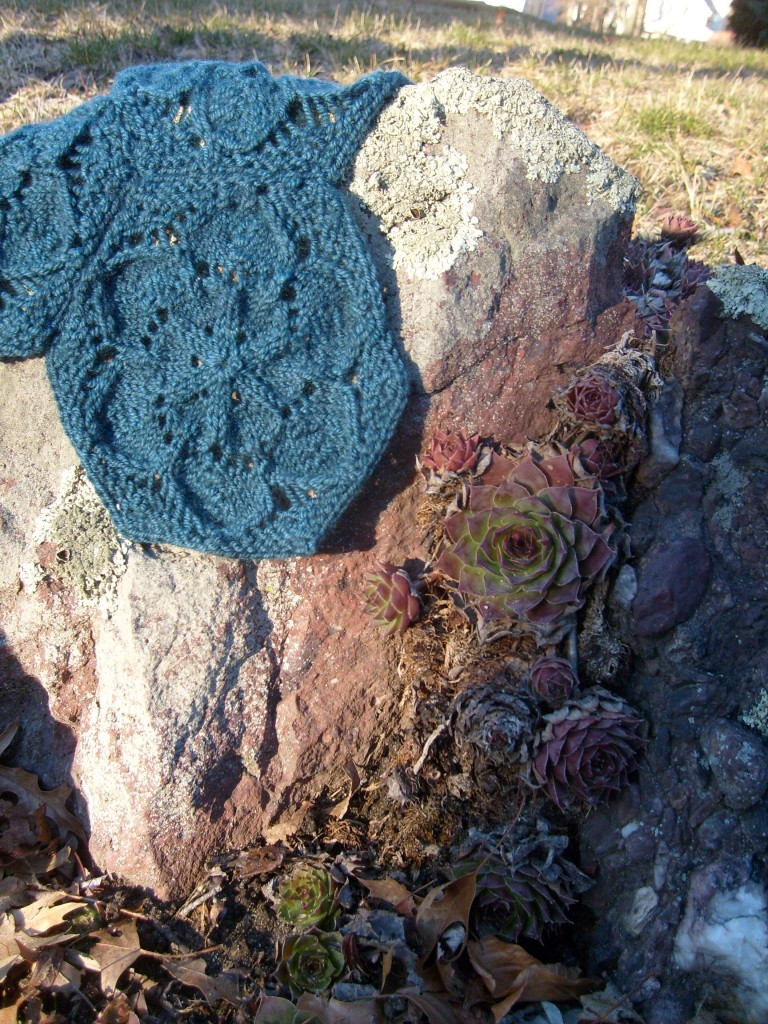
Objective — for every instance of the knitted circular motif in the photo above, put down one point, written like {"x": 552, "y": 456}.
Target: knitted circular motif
{"x": 212, "y": 323}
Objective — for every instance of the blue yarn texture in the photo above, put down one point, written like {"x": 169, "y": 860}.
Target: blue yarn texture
{"x": 213, "y": 328}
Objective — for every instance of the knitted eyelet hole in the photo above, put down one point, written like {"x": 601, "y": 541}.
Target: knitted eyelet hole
{"x": 285, "y": 412}
{"x": 146, "y": 342}
{"x": 309, "y": 389}
{"x": 156, "y": 481}
{"x": 195, "y": 361}
{"x": 303, "y": 247}
{"x": 136, "y": 238}
{"x": 287, "y": 292}
{"x": 295, "y": 112}
{"x": 167, "y": 437}
{"x": 216, "y": 451}
{"x": 247, "y": 462}
{"x": 162, "y": 315}
{"x": 236, "y": 397}
{"x": 161, "y": 420}
{"x": 202, "y": 269}
{"x": 280, "y": 498}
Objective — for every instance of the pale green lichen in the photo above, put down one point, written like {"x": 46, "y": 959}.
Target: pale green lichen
{"x": 418, "y": 185}
{"x": 743, "y": 291}
{"x": 417, "y": 189}
{"x": 88, "y": 556}
{"x": 756, "y": 717}
{"x": 548, "y": 143}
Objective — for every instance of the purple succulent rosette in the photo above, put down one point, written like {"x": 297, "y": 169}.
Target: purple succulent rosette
{"x": 553, "y": 680}
{"x": 391, "y": 598}
{"x": 450, "y": 453}
{"x": 588, "y": 748}
{"x": 529, "y": 545}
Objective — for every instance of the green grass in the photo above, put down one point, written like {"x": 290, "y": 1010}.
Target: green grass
{"x": 679, "y": 116}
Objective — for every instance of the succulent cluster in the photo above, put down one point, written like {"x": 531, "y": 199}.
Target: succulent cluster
{"x": 310, "y": 962}
{"x": 392, "y": 598}
{"x": 492, "y": 724}
{"x": 307, "y": 897}
{"x": 529, "y": 546}
{"x": 588, "y": 748}
{"x": 524, "y": 882}
{"x": 450, "y": 454}
{"x": 553, "y": 680}
{"x": 657, "y": 275}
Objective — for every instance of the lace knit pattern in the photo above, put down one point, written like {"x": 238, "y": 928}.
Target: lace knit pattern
{"x": 211, "y": 320}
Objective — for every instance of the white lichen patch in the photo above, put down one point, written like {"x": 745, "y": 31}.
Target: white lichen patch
{"x": 732, "y": 484}
{"x": 743, "y": 291}
{"x": 88, "y": 556}
{"x": 419, "y": 187}
{"x": 548, "y": 143}
{"x": 756, "y": 717}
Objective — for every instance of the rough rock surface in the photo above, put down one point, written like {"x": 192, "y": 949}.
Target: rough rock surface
{"x": 680, "y": 903}
{"x": 197, "y": 703}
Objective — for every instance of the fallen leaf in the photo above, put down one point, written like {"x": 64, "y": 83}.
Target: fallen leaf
{"x": 608, "y": 1006}
{"x": 512, "y": 976}
{"x": 742, "y": 166}
{"x": 389, "y": 890}
{"x": 341, "y": 808}
{"x": 9, "y": 1014}
{"x": 437, "y": 1009}
{"x": 192, "y": 973}
{"x": 443, "y": 906}
{"x": 13, "y": 893}
{"x": 334, "y": 1011}
{"x": 117, "y": 1011}
{"x": 45, "y": 913}
{"x": 263, "y": 860}
{"x": 275, "y": 1010}
{"x": 114, "y": 950}
{"x": 51, "y": 974}
{"x": 10, "y": 954}
{"x": 25, "y": 786}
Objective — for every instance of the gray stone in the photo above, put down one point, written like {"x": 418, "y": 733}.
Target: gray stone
{"x": 212, "y": 700}
{"x": 671, "y": 584}
{"x": 738, "y": 759}
{"x": 666, "y": 433}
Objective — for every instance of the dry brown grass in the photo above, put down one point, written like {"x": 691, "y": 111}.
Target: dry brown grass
{"x": 688, "y": 120}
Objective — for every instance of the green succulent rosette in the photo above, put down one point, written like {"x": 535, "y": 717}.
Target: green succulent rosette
{"x": 310, "y": 962}
{"x": 529, "y": 543}
{"x": 307, "y": 897}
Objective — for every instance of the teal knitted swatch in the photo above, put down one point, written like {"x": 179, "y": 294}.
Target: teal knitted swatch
{"x": 214, "y": 331}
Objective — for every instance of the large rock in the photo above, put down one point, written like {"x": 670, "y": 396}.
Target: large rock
{"x": 211, "y": 699}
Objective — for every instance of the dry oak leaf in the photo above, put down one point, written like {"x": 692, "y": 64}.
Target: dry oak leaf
{"x": 192, "y": 973}
{"x": 25, "y": 786}
{"x": 389, "y": 890}
{"x": 117, "y": 1011}
{"x": 437, "y": 1009}
{"x": 513, "y": 976}
{"x": 113, "y": 951}
{"x": 443, "y": 906}
{"x": 46, "y": 913}
{"x": 10, "y": 954}
{"x": 334, "y": 1011}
